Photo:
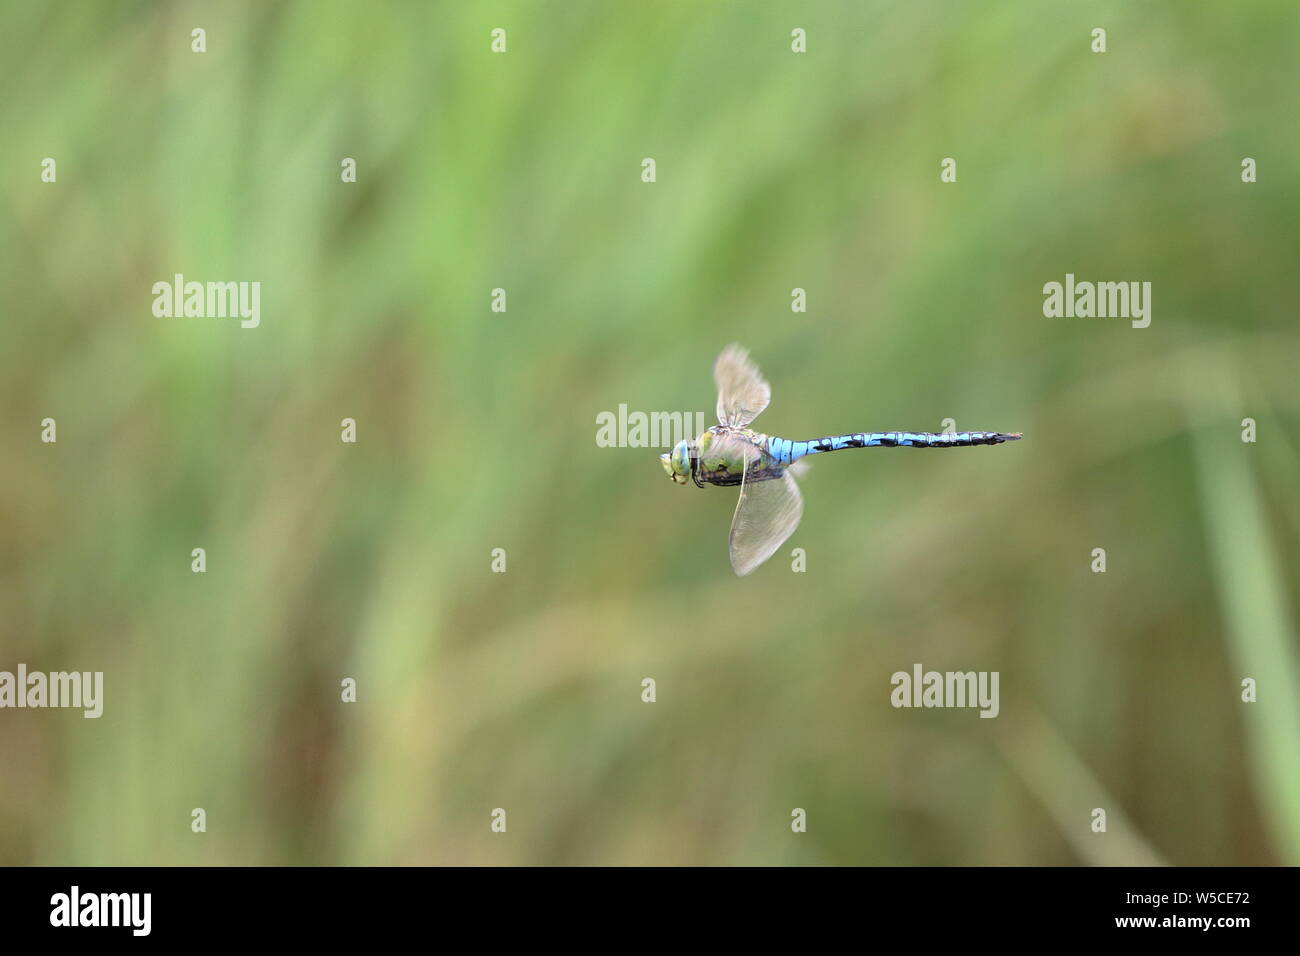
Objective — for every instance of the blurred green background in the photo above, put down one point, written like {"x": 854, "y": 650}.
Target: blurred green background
{"x": 477, "y": 431}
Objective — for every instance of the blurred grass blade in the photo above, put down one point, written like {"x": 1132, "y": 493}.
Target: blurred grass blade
{"x": 1069, "y": 791}
{"x": 1261, "y": 640}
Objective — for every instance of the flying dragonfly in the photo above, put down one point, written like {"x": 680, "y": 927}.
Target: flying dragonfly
{"x": 731, "y": 453}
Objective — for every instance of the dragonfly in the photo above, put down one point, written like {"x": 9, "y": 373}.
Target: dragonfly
{"x": 731, "y": 454}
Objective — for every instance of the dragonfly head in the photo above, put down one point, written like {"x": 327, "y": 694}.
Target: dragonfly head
{"x": 678, "y": 463}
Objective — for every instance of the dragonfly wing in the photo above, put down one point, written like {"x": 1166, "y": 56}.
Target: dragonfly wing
{"x": 766, "y": 515}
{"x": 743, "y": 393}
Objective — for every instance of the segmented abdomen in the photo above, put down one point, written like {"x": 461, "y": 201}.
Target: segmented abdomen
{"x": 786, "y": 451}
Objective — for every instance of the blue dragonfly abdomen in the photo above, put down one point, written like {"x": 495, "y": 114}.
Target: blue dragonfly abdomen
{"x": 788, "y": 451}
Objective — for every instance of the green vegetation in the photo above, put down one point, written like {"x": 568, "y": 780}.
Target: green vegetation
{"x": 476, "y": 431}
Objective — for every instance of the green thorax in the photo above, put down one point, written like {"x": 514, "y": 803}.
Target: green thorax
{"x": 723, "y": 454}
